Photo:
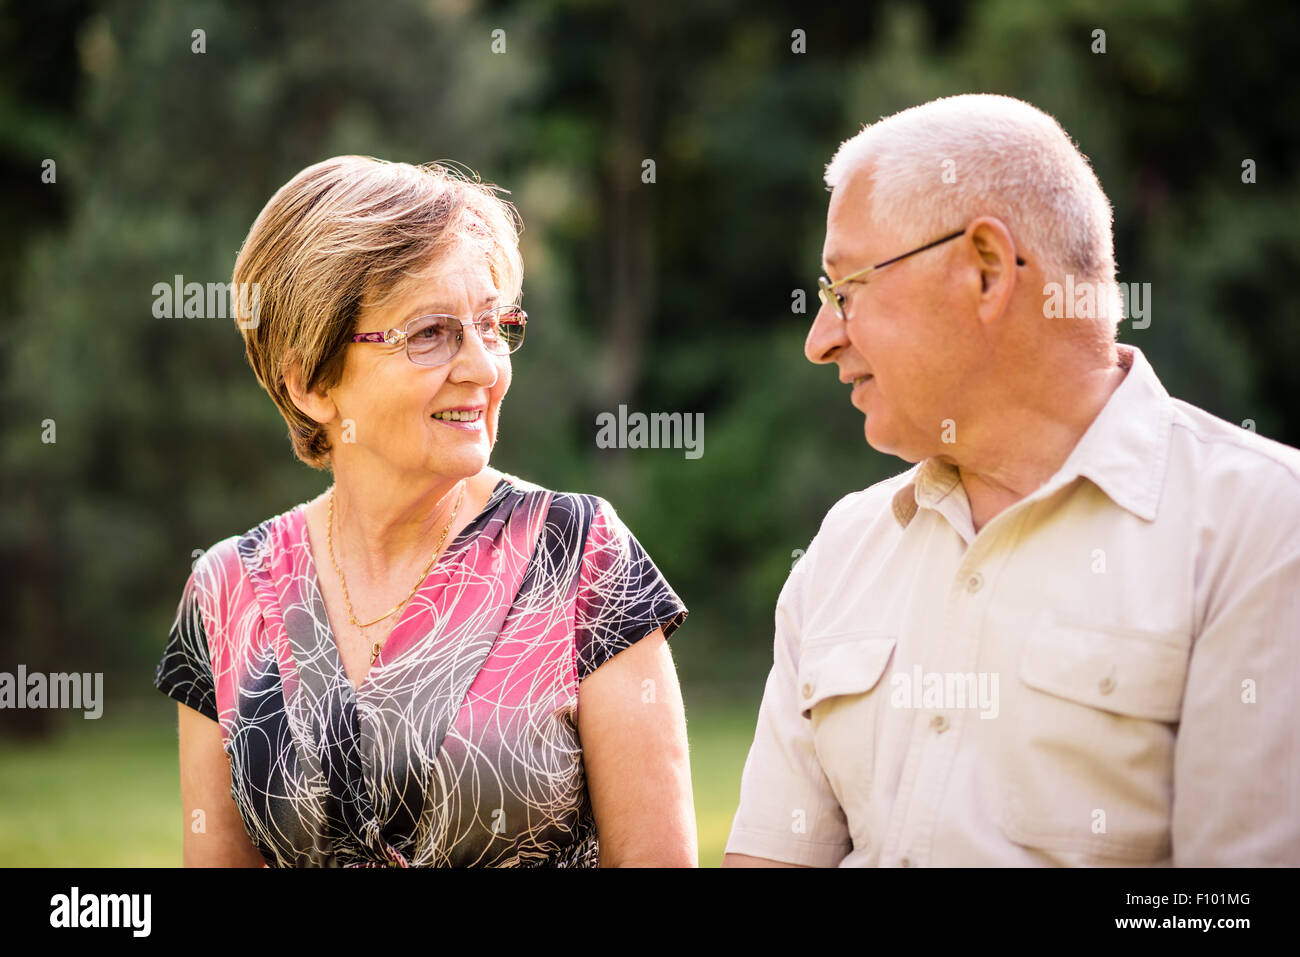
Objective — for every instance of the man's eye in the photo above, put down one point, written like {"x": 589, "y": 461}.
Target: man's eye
{"x": 848, "y": 288}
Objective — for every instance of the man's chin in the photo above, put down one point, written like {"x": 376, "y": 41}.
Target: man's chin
{"x": 887, "y": 444}
{"x": 875, "y": 439}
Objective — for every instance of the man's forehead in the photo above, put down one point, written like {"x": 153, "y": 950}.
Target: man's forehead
{"x": 850, "y": 231}
{"x": 848, "y": 221}
{"x": 845, "y": 249}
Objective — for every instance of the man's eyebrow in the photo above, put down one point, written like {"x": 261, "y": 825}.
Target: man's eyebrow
{"x": 831, "y": 263}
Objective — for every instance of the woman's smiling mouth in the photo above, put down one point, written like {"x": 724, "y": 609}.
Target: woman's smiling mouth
{"x": 467, "y": 420}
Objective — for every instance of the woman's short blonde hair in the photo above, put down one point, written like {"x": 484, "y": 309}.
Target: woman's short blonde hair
{"x": 340, "y": 236}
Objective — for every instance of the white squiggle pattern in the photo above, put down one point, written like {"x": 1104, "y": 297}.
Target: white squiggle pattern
{"x": 460, "y": 748}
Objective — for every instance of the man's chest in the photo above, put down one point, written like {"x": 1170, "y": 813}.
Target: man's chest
{"x": 1025, "y": 687}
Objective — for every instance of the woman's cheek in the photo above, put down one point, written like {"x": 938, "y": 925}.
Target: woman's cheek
{"x": 497, "y": 395}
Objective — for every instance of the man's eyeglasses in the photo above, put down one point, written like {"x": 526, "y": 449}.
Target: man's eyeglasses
{"x": 435, "y": 339}
{"x": 826, "y": 289}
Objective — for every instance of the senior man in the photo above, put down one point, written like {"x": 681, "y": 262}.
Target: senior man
{"x": 1068, "y": 634}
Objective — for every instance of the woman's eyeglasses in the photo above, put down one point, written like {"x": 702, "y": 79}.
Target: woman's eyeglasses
{"x": 435, "y": 339}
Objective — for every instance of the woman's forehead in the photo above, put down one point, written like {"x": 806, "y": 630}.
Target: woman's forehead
{"x": 446, "y": 286}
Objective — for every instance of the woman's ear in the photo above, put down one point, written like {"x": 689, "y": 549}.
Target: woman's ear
{"x": 316, "y": 404}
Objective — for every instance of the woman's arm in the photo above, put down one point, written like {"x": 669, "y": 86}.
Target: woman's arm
{"x": 633, "y": 729}
{"x": 221, "y": 840}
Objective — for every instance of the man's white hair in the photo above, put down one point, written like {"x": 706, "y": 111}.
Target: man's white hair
{"x": 939, "y": 165}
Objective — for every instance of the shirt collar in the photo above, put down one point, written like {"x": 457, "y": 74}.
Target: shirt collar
{"x": 1124, "y": 452}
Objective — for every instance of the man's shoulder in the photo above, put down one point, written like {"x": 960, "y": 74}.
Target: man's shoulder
{"x": 863, "y": 519}
{"x": 1223, "y": 449}
{"x": 858, "y": 508}
{"x": 861, "y": 515}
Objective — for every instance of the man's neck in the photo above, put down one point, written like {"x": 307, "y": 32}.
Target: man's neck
{"x": 1032, "y": 444}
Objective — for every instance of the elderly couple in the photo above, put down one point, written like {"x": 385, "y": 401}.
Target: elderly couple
{"x": 438, "y": 664}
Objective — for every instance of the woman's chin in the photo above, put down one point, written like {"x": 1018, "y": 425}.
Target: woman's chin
{"x": 462, "y": 461}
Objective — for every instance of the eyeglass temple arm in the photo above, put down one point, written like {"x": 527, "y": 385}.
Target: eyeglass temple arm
{"x": 920, "y": 249}
{"x": 943, "y": 239}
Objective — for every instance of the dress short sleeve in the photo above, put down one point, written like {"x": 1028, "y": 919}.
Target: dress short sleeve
{"x": 185, "y": 671}
{"x": 622, "y": 596}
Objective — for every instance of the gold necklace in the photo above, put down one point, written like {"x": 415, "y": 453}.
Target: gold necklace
{"x": 329, "y": 535}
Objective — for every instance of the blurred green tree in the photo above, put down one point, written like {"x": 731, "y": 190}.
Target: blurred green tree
{"x": 672, "y": 295}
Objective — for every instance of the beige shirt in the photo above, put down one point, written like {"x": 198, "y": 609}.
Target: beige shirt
{"x": 1106, "y": 674}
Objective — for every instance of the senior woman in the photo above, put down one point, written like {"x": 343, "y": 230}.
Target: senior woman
{"x": 432, "y": 663}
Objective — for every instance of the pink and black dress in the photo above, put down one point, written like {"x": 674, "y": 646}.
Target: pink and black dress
{"x": 460, "y": 748}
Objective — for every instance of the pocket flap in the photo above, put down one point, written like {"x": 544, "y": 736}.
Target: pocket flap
{"x": 849, "y": 665}
{"x": 1138, "y": 674}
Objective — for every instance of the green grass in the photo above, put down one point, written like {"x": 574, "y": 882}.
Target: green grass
{"x": 720, "y": 735}
{"x": 106, "y": 793}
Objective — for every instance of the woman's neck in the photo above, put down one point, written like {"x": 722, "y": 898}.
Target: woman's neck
{"x": 386, "y": 528}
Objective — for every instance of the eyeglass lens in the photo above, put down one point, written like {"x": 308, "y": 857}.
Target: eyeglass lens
{"x": 432, "y": 340}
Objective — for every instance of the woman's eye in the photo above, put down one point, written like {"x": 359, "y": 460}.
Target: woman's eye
{"x": 434, "y": 330}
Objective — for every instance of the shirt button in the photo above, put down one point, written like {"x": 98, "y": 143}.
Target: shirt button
{"x": 939, "y": 723}
{"x": 807, "y": 690}
{"x": 1106, "y": 685}
{"x": 975, "y": 583}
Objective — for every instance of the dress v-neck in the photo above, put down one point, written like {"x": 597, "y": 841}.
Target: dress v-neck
{"x": 461, "y": 748}
{"x": 329, "y": 640}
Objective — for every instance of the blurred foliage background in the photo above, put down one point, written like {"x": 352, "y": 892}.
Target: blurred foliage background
{"x": 670, "y": 296}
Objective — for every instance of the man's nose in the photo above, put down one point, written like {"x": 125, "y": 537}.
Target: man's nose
{"x": 826, "y": 337}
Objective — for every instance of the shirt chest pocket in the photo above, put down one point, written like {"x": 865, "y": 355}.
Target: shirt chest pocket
{"x": 1084, "y": 754}
{"x": 841, "y": 695}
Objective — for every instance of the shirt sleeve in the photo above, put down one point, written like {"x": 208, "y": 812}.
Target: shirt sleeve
{"x": 787, "y": 810}
{"x": 185, "y": 671}
{"x": 622, "y": 597}
{"x": 1237, "y": 756}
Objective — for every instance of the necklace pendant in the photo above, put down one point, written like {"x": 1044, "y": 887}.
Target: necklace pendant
{"x": 374, "y": 652}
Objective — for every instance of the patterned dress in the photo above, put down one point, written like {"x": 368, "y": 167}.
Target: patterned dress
{"x": 460, "y": 748}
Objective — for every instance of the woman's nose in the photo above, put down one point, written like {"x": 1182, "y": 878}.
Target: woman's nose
{"x": 473, "y": 361}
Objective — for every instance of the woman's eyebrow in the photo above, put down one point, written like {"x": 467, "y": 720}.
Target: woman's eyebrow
{"x": 437, "y": 308}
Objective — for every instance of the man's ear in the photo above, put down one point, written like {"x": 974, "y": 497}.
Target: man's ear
{"x": 316, "y": 404}
{"x": 997, "y": 265}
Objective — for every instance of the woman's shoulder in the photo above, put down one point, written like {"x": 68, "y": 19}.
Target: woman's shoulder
{"x": 533, "y": 488}
{"x": 567, "y": 509}
{"x": 577, "y": 522}
{"x": 250, "y": 552}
